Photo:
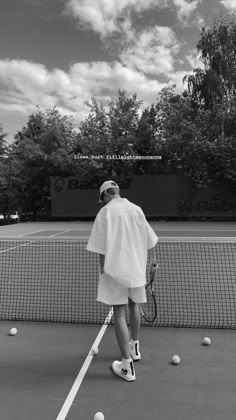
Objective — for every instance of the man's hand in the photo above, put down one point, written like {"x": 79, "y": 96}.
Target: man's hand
{"x": 153, "y": 261}
{"x": 102, "y": 261}
{"x": 153, "y": 267}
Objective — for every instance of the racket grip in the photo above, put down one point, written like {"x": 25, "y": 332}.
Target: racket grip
{"x": 153, "y": 268}
{"x": 154, "y": 264}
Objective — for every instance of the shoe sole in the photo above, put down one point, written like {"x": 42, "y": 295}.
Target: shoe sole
{"x": 135, "y": 358}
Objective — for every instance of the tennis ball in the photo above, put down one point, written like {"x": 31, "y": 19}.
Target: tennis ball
{"x": 206, "y": 341}
{"x": 99, "y": 416}
{"x": 94, "y": 350}
{"x": 13, "y": 331}
{"x": 176, "y": 360}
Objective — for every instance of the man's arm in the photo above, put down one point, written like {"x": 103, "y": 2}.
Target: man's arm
{"x": 153, "y": 260}
{"x": 152, "y": 254}
{"x": 102, "y": 261}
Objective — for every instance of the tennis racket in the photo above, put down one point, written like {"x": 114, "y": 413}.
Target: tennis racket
{"x": 149, "y": 309}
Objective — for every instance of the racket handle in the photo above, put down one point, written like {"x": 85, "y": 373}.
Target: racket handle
{"x": 153, "y": 268}
{"x": 154, "y": 264}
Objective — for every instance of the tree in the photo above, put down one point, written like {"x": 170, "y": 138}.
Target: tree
{"x": 205, "y": 88}
{"x": 93, "y": 140}
{"x": 213, "y": 93}
{"x": 3, "y": 142}
{"x": 216, "y": 84}
{"x": 43, "y": 148}
{"x": 146, "y": 143}
{"x": 4, "y": 171}
{"x": 146, "y": 131}
{"x": 109, "y": 131}
{"x": 218, "y": 53}
{"x": 186, "y": 138}
{"x": 124, "y": 119}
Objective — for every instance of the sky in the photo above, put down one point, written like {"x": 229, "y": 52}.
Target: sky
{"x": 64, "y": 52}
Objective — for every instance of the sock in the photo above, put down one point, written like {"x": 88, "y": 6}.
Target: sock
{"x": 133, "y": 342}
{"x": 135, "y": 346}
{"x": 127, "y": 361}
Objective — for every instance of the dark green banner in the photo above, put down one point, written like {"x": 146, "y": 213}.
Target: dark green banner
{"x": 158, "y": 195}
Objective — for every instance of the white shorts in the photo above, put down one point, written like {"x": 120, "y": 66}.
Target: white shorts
{"x": 111, "y": 292}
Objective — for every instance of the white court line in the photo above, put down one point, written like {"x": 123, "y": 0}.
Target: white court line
{"x": 15, "y": 247}
{"x": 78, "y": 381}
{"x": 195, "y": 230}
{"x": 29, "y": 233}
{"x": 60, "y": 233}
{"x": 196, "y": 239}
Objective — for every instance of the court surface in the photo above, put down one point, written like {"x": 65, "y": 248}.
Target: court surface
{"x": 40, "y": 364}
{"x": 82, "y": 229}
{"x": 48, "y": 372}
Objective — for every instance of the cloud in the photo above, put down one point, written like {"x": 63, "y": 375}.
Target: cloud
{"x": 160, "y": 46}
{"x": 25, "y": 85}
{"x": 105, "y": 16}
{"x": 194, "y": 60}
{"x": 108, "y": 16}
{"x": 229, "y": 4}
{"x": 177, "y": 80}
{"x": 185, "y": 9}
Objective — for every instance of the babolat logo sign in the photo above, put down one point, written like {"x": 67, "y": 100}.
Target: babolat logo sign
{"x": 72, "y": 184}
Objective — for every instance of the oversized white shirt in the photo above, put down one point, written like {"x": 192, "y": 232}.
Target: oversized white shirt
{"x": 122, "y": 233}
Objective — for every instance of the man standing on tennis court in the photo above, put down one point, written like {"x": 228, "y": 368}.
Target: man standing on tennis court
{"x": 122, "y": 237}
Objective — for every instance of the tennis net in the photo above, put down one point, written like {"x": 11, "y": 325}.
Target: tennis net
{"x": 56, "y": 281}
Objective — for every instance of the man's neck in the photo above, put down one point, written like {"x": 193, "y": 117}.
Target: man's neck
{"x": 116, "y": 196}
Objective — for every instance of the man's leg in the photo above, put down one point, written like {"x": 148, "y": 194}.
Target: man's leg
{"x": 121, "y": 329}
{"x": 135, "y": 329}
{"x": 125, "y": 368}
{"x": 134, "y": 320}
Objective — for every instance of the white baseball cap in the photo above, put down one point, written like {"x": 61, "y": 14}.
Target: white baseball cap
{"x": 105, "y": 186}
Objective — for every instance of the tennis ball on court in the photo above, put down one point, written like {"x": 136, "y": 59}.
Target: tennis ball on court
{"x": 94, "y": 350}
{"x": 206, "y": 341}
{"x": 13, "y": 331}
{"x": 99, "y": 416}
{"x": 176, "y": 360}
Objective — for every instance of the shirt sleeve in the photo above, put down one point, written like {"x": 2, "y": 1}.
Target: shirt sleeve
{"x": 152, "y": 238}
{"x": 97, "y": 238}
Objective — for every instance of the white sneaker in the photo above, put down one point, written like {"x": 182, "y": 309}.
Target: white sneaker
{"x": 135, "y": 353}
{"x": 124, "y": 370}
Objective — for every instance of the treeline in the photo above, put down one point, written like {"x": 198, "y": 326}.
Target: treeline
{"x": 194, "y": 132}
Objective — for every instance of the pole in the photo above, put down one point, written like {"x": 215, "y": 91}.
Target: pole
{"x": 9, "y": 191}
